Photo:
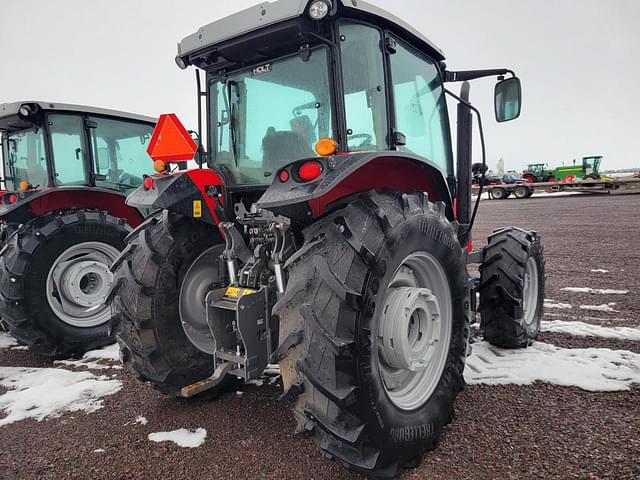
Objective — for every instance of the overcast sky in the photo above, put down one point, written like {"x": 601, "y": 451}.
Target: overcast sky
{"x": 578, "y": 61}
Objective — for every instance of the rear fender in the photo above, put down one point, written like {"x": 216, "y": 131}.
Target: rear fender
{"x": 344, "y": 176}
{"x": 193, "y": 193}
{"x": 36, "y": 203}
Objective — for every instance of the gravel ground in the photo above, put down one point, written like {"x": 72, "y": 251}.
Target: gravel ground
{"x": 538, "y": 431}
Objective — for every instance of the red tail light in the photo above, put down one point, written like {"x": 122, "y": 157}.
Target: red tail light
{"x": 12, "y": 198}
{"x": 309, "y": 170}
{"x": 283, "y": 176}
{"x": 149, "y": 183}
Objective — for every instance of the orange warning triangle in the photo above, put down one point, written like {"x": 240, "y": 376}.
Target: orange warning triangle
{"x": 170, "y": 141}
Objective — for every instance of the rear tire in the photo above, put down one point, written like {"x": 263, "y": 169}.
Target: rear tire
{"x": 145, "y": 302}
{"x": 499, "y": 193}
{"x": 512, "y": 288}
{"x": 338, "y": 293}
{"x": 30, "y": 304}
{"x": 522, "y": 192}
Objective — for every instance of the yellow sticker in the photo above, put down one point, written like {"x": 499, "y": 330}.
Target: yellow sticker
{"x": 235, "y": 292}
{"x": 197, "y": 209}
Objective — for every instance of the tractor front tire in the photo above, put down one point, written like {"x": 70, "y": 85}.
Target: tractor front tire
{"x": 146, "y": 303}
{"x": 379, "y": 302}
{"x": 512, "y": 288}
{"x": 54, "y": 278}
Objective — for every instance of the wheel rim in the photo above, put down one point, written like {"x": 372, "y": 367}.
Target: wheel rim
{"x": 415, "y": 331}
{"x": 530, "y": 292}
{"x": 202, "y": 276}
{"x": 78, "y": 284}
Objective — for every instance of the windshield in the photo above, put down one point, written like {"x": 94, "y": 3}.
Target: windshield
{"x": 25, "y": 159}
{"x": 268, "y": 116}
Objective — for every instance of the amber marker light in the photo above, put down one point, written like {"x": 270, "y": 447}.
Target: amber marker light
{"x": 326, "y": 146}
{"x": 159, "y": 166}
{"x": 24, "y": 186}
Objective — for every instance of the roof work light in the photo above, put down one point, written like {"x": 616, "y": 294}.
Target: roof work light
{"x": 319, "y": 9}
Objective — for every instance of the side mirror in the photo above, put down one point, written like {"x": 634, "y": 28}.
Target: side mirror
{"x": 508, "y": 99}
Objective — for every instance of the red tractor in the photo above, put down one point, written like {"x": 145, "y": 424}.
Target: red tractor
{"x": 63, "y": 219}
{"x": 328, "y": 232}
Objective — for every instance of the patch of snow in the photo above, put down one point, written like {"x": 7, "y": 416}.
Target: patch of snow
{"x": 599, "y": 308}
{"x": 110, "y": 354}
{"x": 7, "y": 341}
{"x": 257, "y": 383}
{"x": 599, "y": 270}
{"x": 99, "y": 450}
{"x": 549, "y": 304}
{"x": 182, "y": 437}
{"x": 597, "y": 291}
{"x": 142, "y": 420}
{"x": 239, "y": 393}
{"x": 20, "y": 347}
{"x": 40, "y": 393}
{"x": 581, "y": 329}
{"x": 592, "y": 369}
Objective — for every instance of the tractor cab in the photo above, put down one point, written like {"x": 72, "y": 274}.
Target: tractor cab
{"x": 591, "y": 166}
{"x": 537, "y": 169}
{"x": 298, "y": 92}
{"x": 50, "y": 147}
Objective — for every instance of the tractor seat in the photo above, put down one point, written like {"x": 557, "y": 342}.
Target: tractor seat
{"x": 281, "y": 147}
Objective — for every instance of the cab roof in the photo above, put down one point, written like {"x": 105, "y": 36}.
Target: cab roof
{"x": 270, "y": 13}
{"x": 10, "y": 119}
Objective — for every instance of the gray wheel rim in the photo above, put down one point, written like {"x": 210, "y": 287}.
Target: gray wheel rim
{"x": 530, "y": 292}
{"x": 202, "y": 276}
{"x": 414, "y": 331}
{"x": 78, "y": 284}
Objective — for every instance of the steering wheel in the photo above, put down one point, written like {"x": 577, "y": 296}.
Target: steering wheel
{"x": 368, "y": 139}
{"x": 129, "y": 180}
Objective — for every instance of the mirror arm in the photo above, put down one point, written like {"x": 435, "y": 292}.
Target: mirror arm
{"x": 466, "y": 75}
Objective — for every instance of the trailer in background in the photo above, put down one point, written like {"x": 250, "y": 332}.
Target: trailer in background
{"x": 526, "y": 190}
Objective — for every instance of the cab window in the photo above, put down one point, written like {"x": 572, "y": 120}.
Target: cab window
{"x": 120, "y": 153}
{"x": 365, "y": 95}
{"x": 69, "y": 150}
{"x": 25, "y": 159}
{"x": 420, "y": 107}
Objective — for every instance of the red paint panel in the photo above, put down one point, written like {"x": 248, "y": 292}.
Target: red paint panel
{"x": 399, "y": 174}
{"x": 202, "y": 178}
{"x": 111, "y": 202}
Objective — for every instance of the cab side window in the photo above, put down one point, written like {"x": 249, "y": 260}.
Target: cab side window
{"x": 120, "y": 153}
{"x": 420, "y": 106}
{"x": 69, "y": 150}
{"x": 365, "y": 95}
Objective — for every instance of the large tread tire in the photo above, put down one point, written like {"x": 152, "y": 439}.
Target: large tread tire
{"x": 502, "y": 285}
{"x": 145, "y": 299}
{"x": 336, "y": 281}
{"x": 25, "y": 261}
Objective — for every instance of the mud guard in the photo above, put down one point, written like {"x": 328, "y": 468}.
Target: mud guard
{"x": 344, "y": 176}
{"x": 36, "y": 203}
{"x": 193, "y": 193}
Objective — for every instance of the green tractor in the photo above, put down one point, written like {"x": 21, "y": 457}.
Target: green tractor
{"x": 589, "y": 170}
{"x": 538, "y": 172}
